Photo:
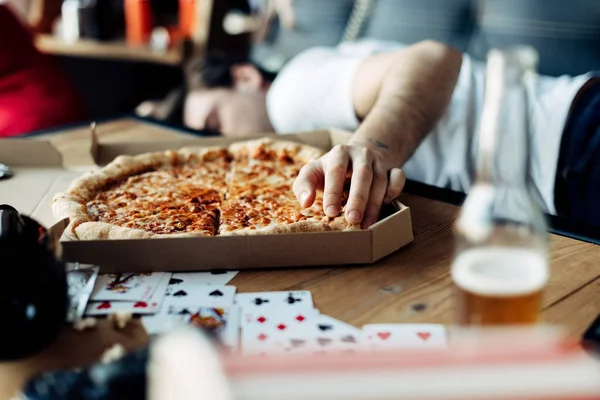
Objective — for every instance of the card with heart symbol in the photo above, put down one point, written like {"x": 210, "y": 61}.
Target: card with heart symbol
{"x": 150, "y": 306}
{"x": 405, "y": 336}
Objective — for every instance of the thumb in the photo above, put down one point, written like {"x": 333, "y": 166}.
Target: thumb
{"x": 395, "y": 185}
{"x": 309, "y": 180}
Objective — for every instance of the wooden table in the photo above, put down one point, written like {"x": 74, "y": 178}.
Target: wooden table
{"x": 411, "y": 285}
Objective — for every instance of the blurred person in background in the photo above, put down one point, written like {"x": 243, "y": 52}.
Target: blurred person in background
{"x": 412, "y": 107}
{"x": 34, "y": 94}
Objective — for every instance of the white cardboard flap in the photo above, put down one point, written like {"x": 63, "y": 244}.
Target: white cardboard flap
{"x": 30, "y": 153}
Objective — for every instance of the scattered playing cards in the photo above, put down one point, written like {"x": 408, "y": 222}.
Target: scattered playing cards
{"x": 258, "y": 323}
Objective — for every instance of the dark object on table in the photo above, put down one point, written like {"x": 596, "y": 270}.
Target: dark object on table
{"x": 5, "y": 172}
{"x": 123, "y": 379}
{"x": 591, "y": 337}
{"x": 33, "y": 288}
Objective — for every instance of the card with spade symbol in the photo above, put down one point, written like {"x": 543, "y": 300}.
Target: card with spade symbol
{"x": 222, "y": 322}
{"x": 201, "y": 278}
{"x": 251, "y": 303}
{"x": 335, "y": 336}
{"x": 405, "y": 336}
{"x": 126, "y": 286}
{"x": 150, "y": 306}
{"x": 205, "y": 295}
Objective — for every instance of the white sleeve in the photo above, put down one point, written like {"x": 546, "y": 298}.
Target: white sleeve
{"x": 314, "y": 91}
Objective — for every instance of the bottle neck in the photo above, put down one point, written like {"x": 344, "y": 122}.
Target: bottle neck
{"x": 503, "y": 158}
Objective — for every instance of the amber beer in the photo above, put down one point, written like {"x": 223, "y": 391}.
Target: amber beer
{"x": 499, "y": 285}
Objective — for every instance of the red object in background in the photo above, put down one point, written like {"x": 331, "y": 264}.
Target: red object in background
{"x": 139, "y": 22}
{"x": 34, "y": 94}
{"x": 187, "y": 17}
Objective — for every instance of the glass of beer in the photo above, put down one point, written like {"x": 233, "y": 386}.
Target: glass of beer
{"x": 501, "y": 264}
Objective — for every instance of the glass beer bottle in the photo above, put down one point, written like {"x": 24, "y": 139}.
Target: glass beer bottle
{"x": 501, "y": 263}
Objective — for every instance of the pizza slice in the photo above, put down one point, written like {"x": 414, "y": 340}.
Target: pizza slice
{"x": 260, "y": 199}
{"x": 151, "y": 195}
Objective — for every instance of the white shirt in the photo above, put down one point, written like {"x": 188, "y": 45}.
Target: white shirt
{"x": 314, "y": 91}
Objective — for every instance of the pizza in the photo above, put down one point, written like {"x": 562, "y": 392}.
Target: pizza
{"x": 241, "y": 189}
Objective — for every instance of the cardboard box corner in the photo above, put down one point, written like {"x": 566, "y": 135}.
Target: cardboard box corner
{"x": 392, "y": 233}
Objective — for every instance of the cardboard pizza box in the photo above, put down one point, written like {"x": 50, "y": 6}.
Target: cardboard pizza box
{"x": 39, "y": 175}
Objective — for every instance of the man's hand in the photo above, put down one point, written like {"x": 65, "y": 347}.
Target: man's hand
{"x": 400, "y": 97}
{"x": 374, "y": 181}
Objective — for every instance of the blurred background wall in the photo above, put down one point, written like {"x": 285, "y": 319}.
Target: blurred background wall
{"x": 565, "y": 32}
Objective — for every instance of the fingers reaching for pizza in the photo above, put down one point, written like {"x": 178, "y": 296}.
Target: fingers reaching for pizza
{"x": 373, "y": 180}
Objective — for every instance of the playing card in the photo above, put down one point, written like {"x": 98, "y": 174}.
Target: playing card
{"x": 201, "y": 278}
{"x": 293, "y": 300}
{"x": 126, "y": 286}
{"x": 222, "y": 322}
{"x": 205, "y": 295}
{"x": 332, "y": 335}
{"x": 320, "y": 335}
{"x": 152, "y": 306}
{"x": 275, "y": 331}
{"x": 81, "y": 281}
{"x": 413, "y": 336}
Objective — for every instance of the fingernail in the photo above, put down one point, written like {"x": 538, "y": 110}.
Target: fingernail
{"x": 366, "y": 223}
{"x": 387, "y": 200}
{"x": 353, "y": 216}
{"x": 303, "y": 197}
{"x": 332, "y": 211}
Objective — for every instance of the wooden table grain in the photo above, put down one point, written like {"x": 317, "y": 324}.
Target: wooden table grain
{"x": 411, "y": 285}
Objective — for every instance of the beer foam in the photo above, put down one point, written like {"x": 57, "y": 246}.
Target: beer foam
{"x": 500, "y": 271}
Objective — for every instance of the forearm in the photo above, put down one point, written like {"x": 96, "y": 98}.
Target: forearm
{"x": 412, "y": 97}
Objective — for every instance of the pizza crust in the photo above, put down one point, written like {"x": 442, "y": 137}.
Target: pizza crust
{"x": 338, "y": 224}
{"x": 103, "y": 231}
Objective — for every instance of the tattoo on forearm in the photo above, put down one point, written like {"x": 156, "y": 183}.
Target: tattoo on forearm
{"x": 378, "y": 143}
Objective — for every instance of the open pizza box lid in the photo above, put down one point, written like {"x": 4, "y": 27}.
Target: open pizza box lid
{"x": 39, "y": 175}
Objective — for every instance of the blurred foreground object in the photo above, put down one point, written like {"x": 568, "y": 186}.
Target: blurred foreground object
{"x": 33, "y": 291}
{"x": 501, "y": 262}
{"x": 183, "y": 364}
